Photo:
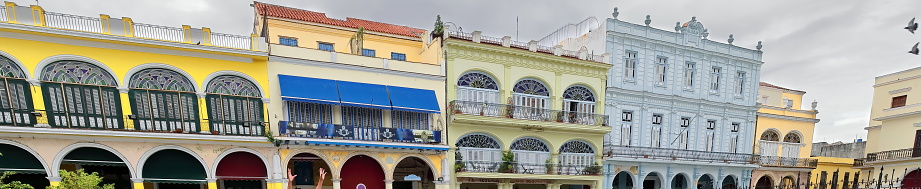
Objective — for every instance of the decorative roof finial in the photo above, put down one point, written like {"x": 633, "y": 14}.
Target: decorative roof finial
{"x": 814, "y": 103}
{"x": 648, "y": 20}
{"x": 705, "y": 34}
{"x": 731, "y": 39}
{"x": 677, "y": 26}
{"x": 615, "y": 13}
{"x": 759, "y": 48}
{"x": 693, "y": 19}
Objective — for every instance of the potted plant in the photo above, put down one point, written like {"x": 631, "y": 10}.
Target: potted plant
{"x": 178, "y": 130}
{"x": 548, "y": 165}
{"x": 592, "y": 169}
{"x": 510, "y": 108}
{"x": 508, "y": 162}
{"x": 559, "y": 117}
{"x": 357, "y": 41}
{"x": 439, "y": 28}
{"x": 459, "y": 165}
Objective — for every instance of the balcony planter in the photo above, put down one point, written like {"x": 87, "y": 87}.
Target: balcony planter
{"x": 508, "y": 164}
{"x": 215, "y": 133}
{"x": 548, "y": 166}
{"x": 177, "y": 131}
{"x": 592, "y": 170}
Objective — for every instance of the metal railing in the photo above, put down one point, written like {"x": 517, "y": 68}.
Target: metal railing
{"x": 156, "y": 32}
{"x": 461, "y": 35}
{"x": 596, "y": 58}
{"x": 491, "y": 40}
{"x": 475, "y": 166}
{"x": 232, "y": 41}
{"x": 528, "y": 113}
{"x": 519, "y": 44}
{"x": 569, "y": 53}
{"x": 859, "y": 162}
{"x": 777, "y": 161}
{"x": 73, "y": 22}
{"x": 679, "y": 154}
{"x": 906, "y": 153}
{"x": 60, "y": 119}
{"x": 361, "y": 133}
{"x": 3, "y": 15}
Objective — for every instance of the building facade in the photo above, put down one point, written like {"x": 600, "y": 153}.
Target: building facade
{"x": 682, "y": 106}
{"x": 836, "y": 163}
{"x": 356, "y": 97}
{"x": 522, "y": 115}
{"x": 893, "y": 135}
{"x": 784, "y": 133}
{"x": 146, "y": 106}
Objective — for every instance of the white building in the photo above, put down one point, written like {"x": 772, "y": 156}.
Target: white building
{"x": 682, "y": 106}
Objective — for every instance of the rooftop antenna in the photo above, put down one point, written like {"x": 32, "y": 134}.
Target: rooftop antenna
{"x": 516, "y": 27}
{"x": 36, "y": 2}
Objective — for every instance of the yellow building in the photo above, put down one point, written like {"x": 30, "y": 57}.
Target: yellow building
{"x": 784, "y": 133}
{"x": 827, "y": 168}
{"x": 893, "y": 134}
{"x": 156, "y": 106}
{"x": 522, "y": 116}
{"x": 356, "y": 97}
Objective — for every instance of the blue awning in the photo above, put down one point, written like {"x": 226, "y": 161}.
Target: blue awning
{"x": 363, "y": 95}
{"x": 307, "y": 89}
{"x": 416, "y": 100}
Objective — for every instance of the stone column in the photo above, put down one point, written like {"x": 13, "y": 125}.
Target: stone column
{"x": 336, "y": 183}
{"x": 550, "y": 186}
{"x": 212, "y": 183}
{"x": 442, "y": 184}
{"x": 501, "y": 185}
{"x": 388, "y": 184}
{"x": 138, "y": 183}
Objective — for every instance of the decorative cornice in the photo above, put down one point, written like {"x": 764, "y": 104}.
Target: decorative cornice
{"x": 276, "y": 58}
{"x": 901, "y": 107}
{"x": 692, "y": 48}
{"x": 524, "y": 58}
{"x": 790, "y": 118}
{"x": 872, "y": 127}
{"x": 107, "y": 37}
{"x": 789, "y": 109}
{"x": 896, "y": 116}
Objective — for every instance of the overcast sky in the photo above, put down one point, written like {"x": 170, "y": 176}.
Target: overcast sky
{"x": 832, "y": 49}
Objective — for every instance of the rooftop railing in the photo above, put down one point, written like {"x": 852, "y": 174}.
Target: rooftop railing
{"x": 104, "y": 24}
{"x": 776, "y": 161}
{"x": 477, "y": 37}
{"x": 527, "y": 113}
{"x": 360, "y": 133}
{"x": 679, "y": 154}
{"x": 906, "y": 153}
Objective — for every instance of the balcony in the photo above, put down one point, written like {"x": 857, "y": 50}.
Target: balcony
{"x": 859, "y": 162}
{"x": 129, "y": 123}
{"x": 358, "y": 133}
{"x": 526, "y": 113}
{"x": 899, "y": 154}
{"x": 679, "y": 154}
{"x": 526, "y": 168}
{"x": 776, "y": 161}
{"x": 125, "y": 27}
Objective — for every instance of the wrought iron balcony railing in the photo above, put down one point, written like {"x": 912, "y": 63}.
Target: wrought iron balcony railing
{"x": 361, "y": 133}
{"x": 70, "y": 120}
{"x": 776, "y": 161}
{"x": 906, "y": 153}
{"x": 859, "y": 162}
{"x": 525, "y": 168}
{"x": 527, "y": 113}
{"x": 679, "y": 154}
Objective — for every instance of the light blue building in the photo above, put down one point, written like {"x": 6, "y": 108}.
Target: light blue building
{"x": 682, "y": 106}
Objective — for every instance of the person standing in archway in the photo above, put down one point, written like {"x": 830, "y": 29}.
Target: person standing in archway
{"x": 319, "y": 183}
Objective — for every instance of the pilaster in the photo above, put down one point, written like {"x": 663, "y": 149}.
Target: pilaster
{"x": 212, "y": 183}
{"x": 138, "y": 183}
{"x": 336, "y": 183}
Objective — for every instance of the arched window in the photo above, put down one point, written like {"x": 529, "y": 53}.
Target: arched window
{"x": 474, "y": 89}
{"x": 770, "y": 135}
{"x": 792, "y": 138}
{"x": 163, "y": 100}
{"x": 234, "y": 106}
{"x": 531, "y": 154}
{"x": 80, "y": 95}
{"x": 579, "y": 102}
{"x": 575, "y": 156}
{"x": 532, "y": 98}
{"x": 15, "y": 98}
{"x": 478, "y": 152}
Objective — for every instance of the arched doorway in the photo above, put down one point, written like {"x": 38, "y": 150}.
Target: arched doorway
{"x": 174, "y": 169}
{"x": 109, "y": 166}
{"x": 29, "y": 169}
{"x": 705, "y": 182}
{"x": 912, "y": 179}
{"x": 623, "y": 180}
{"x": 241, "y": 170}
{"x": 362, "y": 170}
{"x": 413, "y": 172}
{"x": 307, "y": 166}
{"x": 788, "y": 183}
{"x": 680, "y": 182}
{"x": 764, "y": 182}
{"x": 729, "y": 182}
{"x": 652, "y": 181}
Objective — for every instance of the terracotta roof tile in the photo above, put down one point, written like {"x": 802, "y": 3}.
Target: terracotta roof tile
{"x": 318, "y": 17}
{"x": 763, "y": 84}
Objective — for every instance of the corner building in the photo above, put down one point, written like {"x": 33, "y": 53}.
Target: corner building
{"x": 522, "y": 115}
{"x": 782, "y": 128}
{"x": 146, "y": 106}
{"x": 682, "y": 106}
{"x": 367, "y": 107}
